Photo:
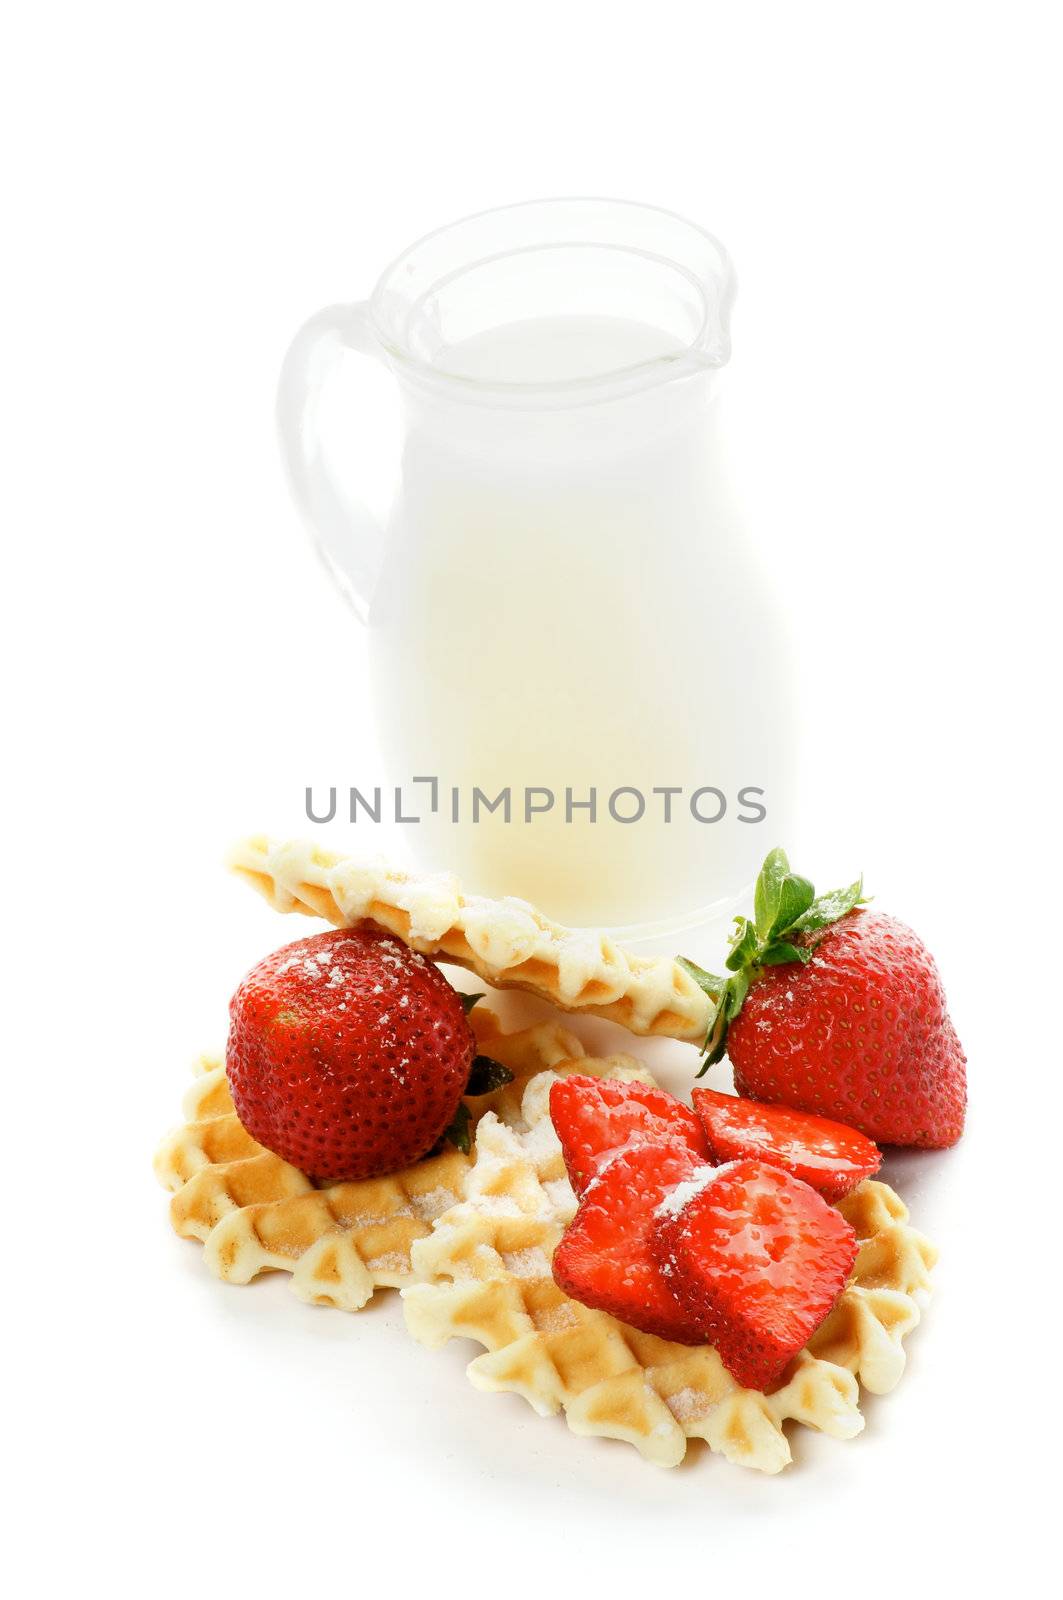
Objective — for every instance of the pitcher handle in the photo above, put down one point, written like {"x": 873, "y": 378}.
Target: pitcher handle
{"x": 348, "y": 536}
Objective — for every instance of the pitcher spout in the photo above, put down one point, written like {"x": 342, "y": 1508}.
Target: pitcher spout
{"x": 557, "y": 303}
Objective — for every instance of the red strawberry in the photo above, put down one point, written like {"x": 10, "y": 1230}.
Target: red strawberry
{"x": 840, "y": 1012}
{"x": 757, "y": 1259}
{"x": 828, "y": 1156}
{"x": 596, "y": 1116}
{"x": 861, "y": 1032}
{"x": 348, "y": 1054}
{"x": 605, "y": 1260}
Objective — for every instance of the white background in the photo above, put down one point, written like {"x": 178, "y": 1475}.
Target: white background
{"x": 183, "y": 185}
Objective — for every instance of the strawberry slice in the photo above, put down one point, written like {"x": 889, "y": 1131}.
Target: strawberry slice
{"x": 594, "y": 1117}
{"x": 756, "y": 1258}
{"x": 605, "y": 1259}
{"x": 826, "y": 1155}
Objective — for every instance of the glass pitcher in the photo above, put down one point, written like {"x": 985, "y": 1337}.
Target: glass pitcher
{"x": 571, "y": 646}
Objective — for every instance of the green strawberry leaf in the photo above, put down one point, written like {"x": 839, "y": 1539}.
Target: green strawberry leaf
{"x": 716, "y": 1038}
{"x": 486, "y": 1075}
{"x": 707, "y": 982}
{"x": 468, "y": 1001}
{"x": 459, "y": 1132}
{"x": 768, "y": 890}
{"x": 743, "y": 945}
{"x": 829, "y": 907}
{"x": 795, "y": 896}
{"x": 717, "y": 990}
{"x": 737, "y": 990}
{"x": 779, "y": 952}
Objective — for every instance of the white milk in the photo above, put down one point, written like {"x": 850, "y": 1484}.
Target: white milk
{"x": 567, "y": 601}
{"x": 555, "y": 350}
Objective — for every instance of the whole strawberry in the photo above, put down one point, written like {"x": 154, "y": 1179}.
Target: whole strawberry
{"x": 348, "y": 1054}
{"x": 838, "y": 1011}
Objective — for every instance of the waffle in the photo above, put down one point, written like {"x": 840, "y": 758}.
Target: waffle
{"x": 255, "y": 1213}
{"x": 483, "y": 1273}
{"x": 506, "y": 942}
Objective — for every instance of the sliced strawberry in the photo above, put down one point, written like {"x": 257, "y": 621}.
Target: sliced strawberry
{"x": 827, "y": 1155}
{"x": 604, "y": 1259}
{"x": 596, "y": 1116}
{"x": 757, "y": 1259}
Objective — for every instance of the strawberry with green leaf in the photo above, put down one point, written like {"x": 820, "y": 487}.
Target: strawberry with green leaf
{"x": 838, "y": 1011}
